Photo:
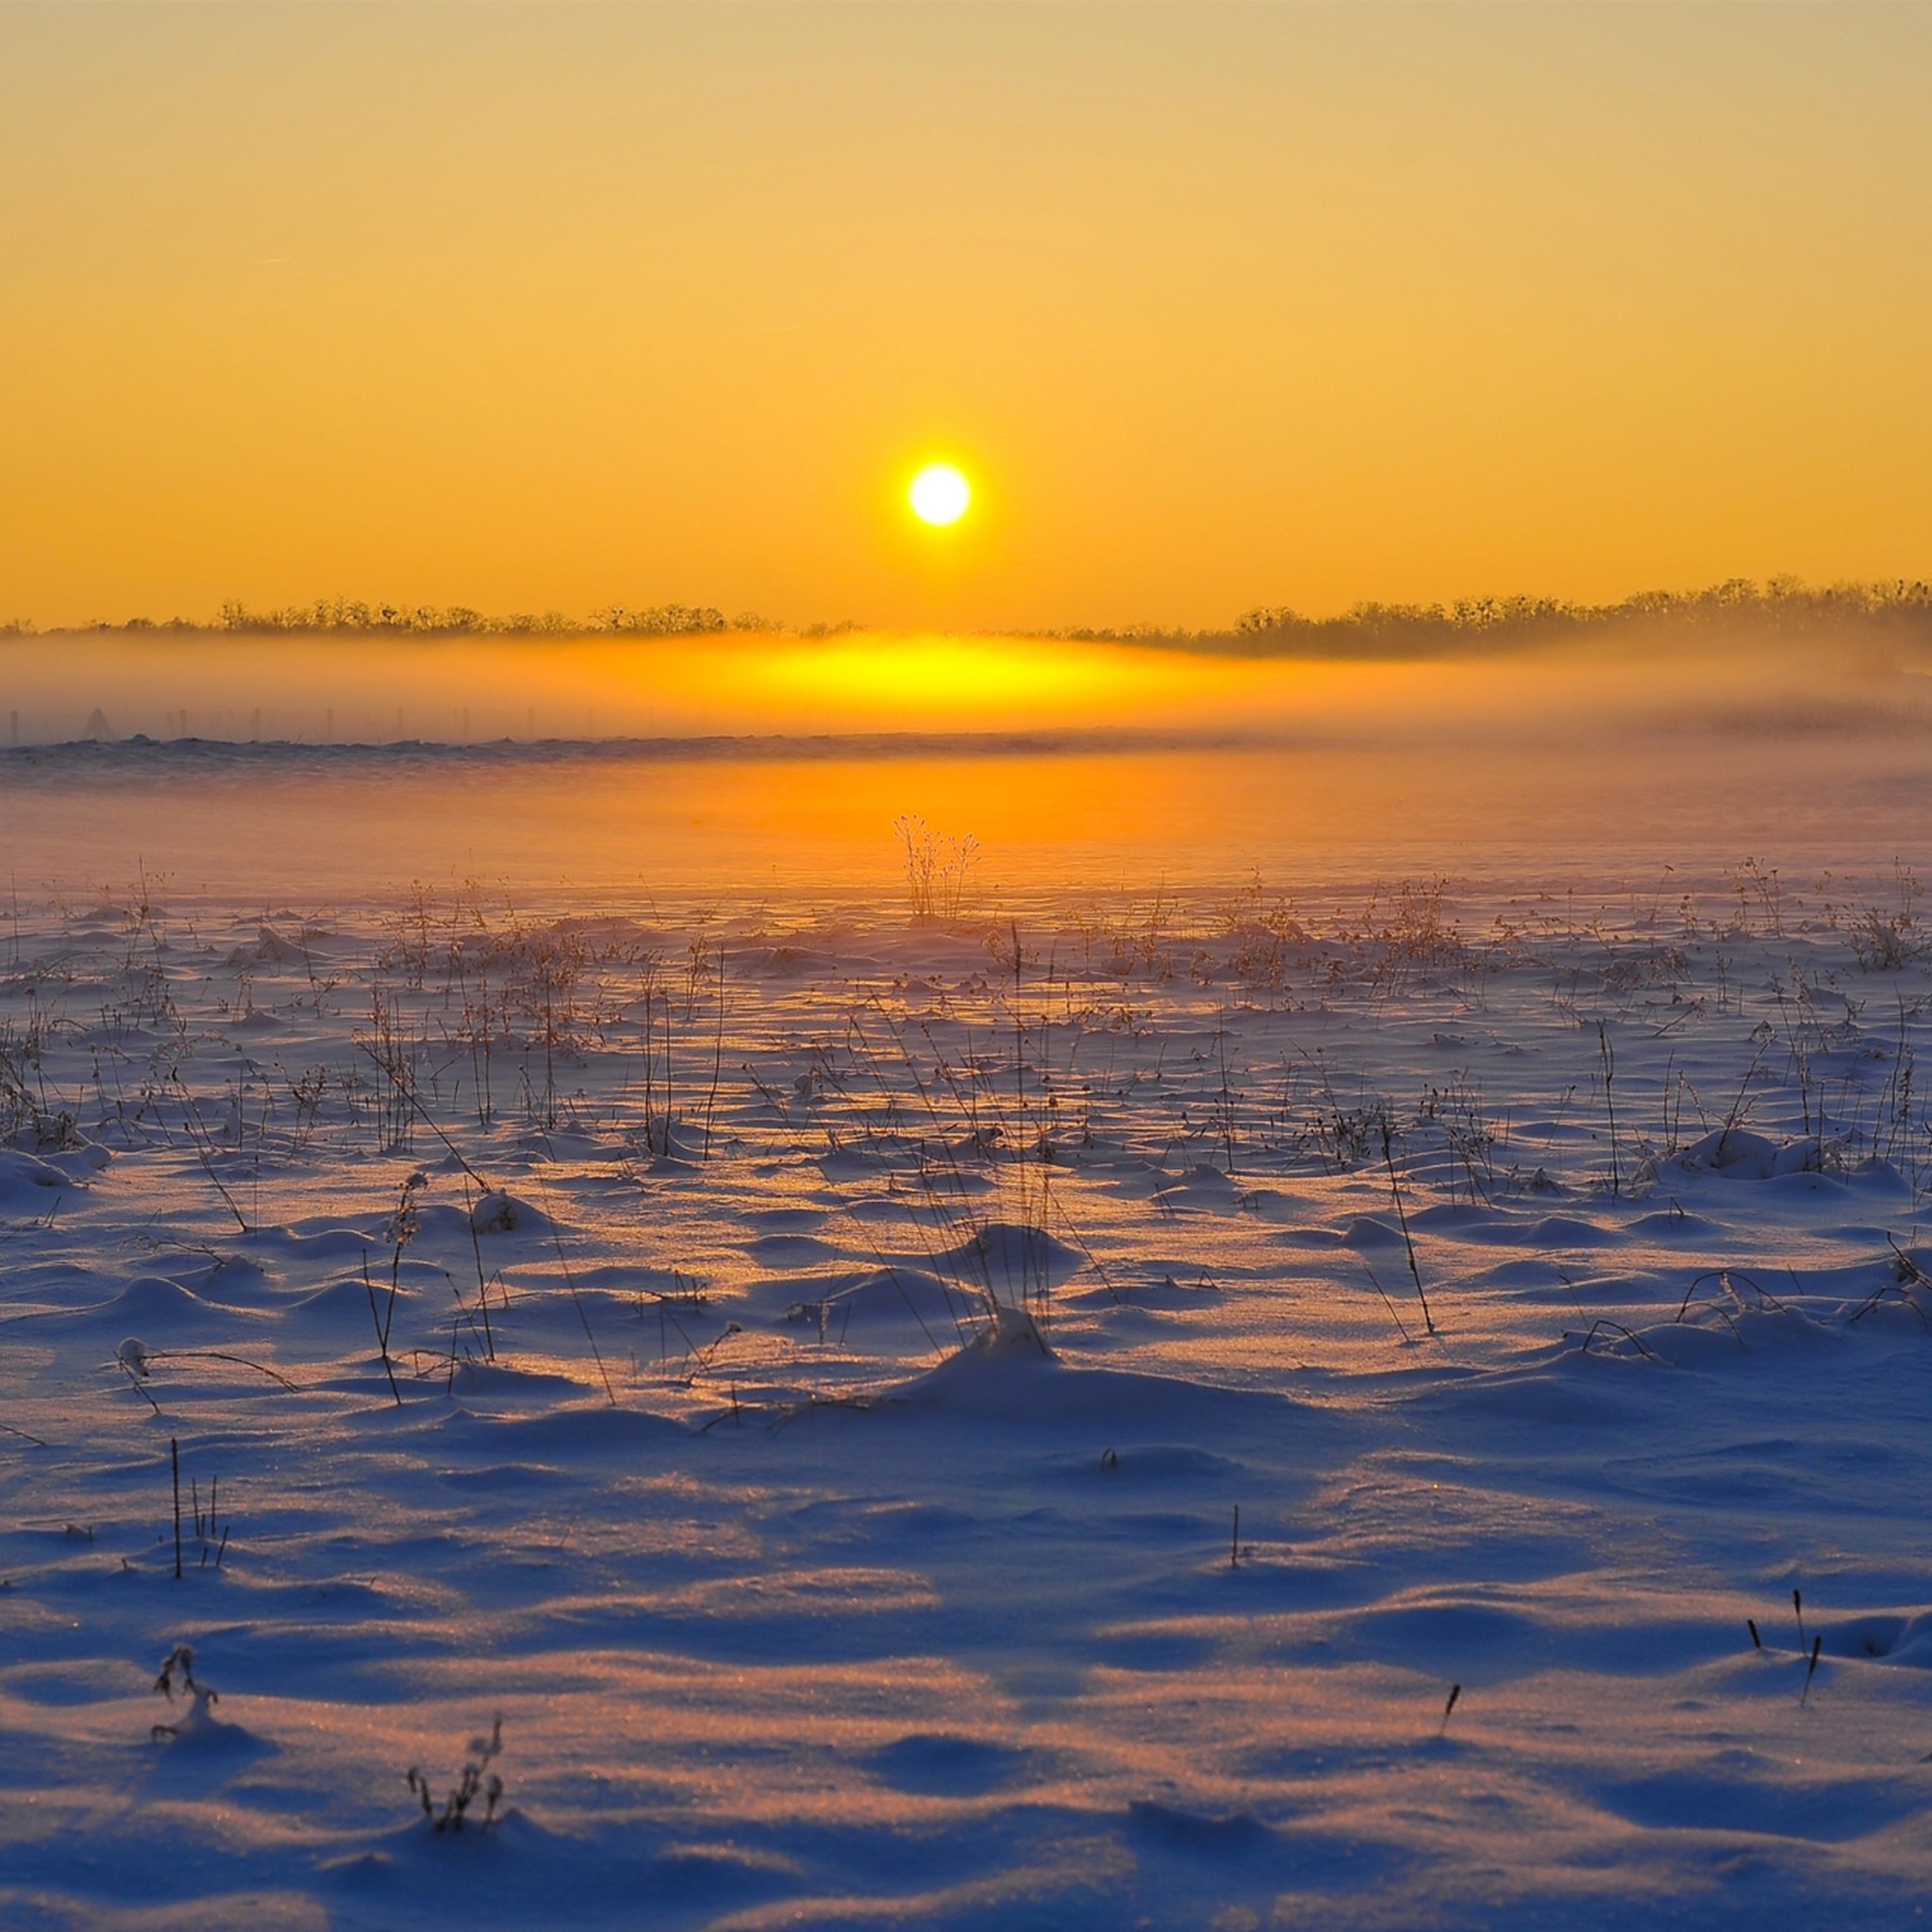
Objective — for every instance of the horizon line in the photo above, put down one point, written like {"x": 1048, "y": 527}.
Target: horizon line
{"x": 1263, "y": 629}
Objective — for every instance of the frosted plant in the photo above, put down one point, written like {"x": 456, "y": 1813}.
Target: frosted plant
{"x": 177, "y": 1673}
{"x": 472, "y": 1783}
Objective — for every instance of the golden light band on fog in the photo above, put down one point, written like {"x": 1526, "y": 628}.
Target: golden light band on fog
{"x": 929, "y": 682}
{"x": 932, "y": 678}
{"x": 480, "y": 688}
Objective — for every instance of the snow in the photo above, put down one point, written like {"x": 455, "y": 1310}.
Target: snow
{"x": 897, "y": 1440}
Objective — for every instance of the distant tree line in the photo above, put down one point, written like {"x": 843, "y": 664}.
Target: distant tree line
{"x": 459, "y": 620}
{"x": 1895, "y": 612}
{"x": 344, "y": 615}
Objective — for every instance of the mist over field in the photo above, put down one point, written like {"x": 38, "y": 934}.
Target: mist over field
{"x": 317, "y": 758}
{"x": 1733, "y": 657}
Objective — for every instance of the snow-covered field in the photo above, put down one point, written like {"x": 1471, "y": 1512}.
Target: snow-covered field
{"x": 1378, "y": 1395}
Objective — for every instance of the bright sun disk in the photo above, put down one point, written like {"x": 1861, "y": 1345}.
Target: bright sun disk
{"x": 939, "y": 494}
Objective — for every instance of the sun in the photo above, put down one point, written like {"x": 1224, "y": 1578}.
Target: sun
{"x": 940, "y": 494}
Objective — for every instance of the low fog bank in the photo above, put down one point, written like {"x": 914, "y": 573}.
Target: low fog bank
{"x": 803, "y": 822}
{"x": 364, "y": 689}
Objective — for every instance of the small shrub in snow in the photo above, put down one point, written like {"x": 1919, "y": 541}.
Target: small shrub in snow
{"x": 178, "y": 1673}
{"x": 1887, "y": 941}
{"x": 472, "y": 1783}
{"x": 937, "y": 865}
{"x": 401, "y": 1231}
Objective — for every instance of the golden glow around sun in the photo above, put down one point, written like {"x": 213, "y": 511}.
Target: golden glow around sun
{"x": 920, "y": 681}
{"x": 940, "y": 494}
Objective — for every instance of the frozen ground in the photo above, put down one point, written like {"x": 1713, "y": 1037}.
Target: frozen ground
{"x": 826, "y": 1354}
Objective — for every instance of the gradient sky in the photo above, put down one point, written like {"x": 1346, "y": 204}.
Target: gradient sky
{"x": 558, "y": 305}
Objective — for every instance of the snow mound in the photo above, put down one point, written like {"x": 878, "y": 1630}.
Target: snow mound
{"x": 270, "y": 949}
{"x": 780, "y": 963}
{"x": 1197, "y": 1834}
{"x": 323, "y": 1239}
{"x": 1007, "y": 1353}
{"x": 340, "y": 1301}
{"x": 501, "y": 1212}
{"x": 1008, "y": 1373}
{"x": 884, "y": 1294}
{"x": 496, "y": 1382}
{"x": 1550, "y": 1231}
{"x": 1005, "y": 1254}
{"x": 852, "y": 1163}
{"x": 27, "y": 1184}
{"x": 1167, "y": 1290}
{"x": 197, "y": 1732}
{"x": 785, "y": 1250}
{"x": 1205, "y": 1190}
{"x": 1739, "y": 1154}
{"x": 1715, "y": 1798}
{"x": 157, "y": 1303}
{"x": 57, "y": 1136}
{"x": 1891, "y": 1638}
{"x": 1370, "y": 1231}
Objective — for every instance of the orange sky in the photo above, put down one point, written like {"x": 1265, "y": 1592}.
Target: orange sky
{"x": 547, "y": 305}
